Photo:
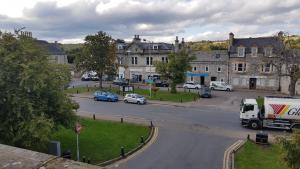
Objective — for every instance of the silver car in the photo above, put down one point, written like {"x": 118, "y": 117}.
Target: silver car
{"x": 135, "y": 98}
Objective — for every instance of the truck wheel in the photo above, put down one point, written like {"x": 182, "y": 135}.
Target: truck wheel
{"x": 212, "y": 88}
{"x": 254, "y": 125}
{"x": 228, "y": 90}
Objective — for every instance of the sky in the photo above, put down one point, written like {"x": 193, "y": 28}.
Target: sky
{"x": 69, "y": 21}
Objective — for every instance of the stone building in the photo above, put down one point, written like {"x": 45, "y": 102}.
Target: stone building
{"x": 209, "y": 66}
{"x": 137, "y": 58}
{"x": 55, "y": 51}
{"x": 250, "y": 62}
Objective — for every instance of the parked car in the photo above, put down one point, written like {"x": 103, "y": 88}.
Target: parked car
{"x": 85, "y": 77}
{"x": 91, "y": 75}
{"x": 191, "y": 85}
{"x": 161, "y": 83}
{"x": 135, "y": 98}
{"x": 205, "y": 92}
{"x": 218, "y": 85}
{"x": 120, "y": 82}
{"x": 105, "y": 96}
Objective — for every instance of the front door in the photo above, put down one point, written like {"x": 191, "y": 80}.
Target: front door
{"x": 252, "y": 83}
{"x": 202, "y": 79}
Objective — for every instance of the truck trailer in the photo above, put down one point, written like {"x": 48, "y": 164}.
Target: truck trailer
{"x": 276, "y": 112}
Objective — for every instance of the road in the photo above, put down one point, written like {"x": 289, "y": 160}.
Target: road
{"x": 193, "y": 137}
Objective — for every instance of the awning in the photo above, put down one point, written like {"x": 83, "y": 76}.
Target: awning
{"x": 195, "y": 74}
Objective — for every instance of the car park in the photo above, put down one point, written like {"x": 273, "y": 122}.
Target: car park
{"x": 218, "y": 85}
{"x": 120, "y": 82}
{"x": 191, "y": 85}
{"x": 105, "y": 96}
{"x": 161, "y": 83}
{"x": 135, "y": 98}
{"x": 205, "y": 92}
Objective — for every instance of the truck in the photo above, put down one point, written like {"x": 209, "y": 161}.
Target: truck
{"x": 275, "y": 112}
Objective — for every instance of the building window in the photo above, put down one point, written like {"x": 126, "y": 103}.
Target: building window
{"x": 163, "y": 59}
{"x": 155, "y": 47}
{"x": 266, "y": 68}
{"x": 167, "y": 60}
{"x": 149, "y": 60}
{"x": 218, "y": 56}
{"x": 268, "y": 52}
{"x": 120, "y": 47}
{"x": 241, "y": 51}
{"x": 219, "y": 69}
{"x": 240, "y": 67}
{"x": 195, "y": 68}
{"x": 254, "y": 51}
{"x": 134, "y": 60}
{"x": 206, "y": 69}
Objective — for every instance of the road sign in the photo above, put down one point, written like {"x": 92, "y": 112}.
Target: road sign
{"x": 78, "y": 128}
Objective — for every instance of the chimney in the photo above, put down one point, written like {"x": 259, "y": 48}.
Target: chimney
{"x": 176, "y": 47}
{"x": 230, "y": 41}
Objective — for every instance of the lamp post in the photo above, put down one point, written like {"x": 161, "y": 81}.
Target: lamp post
{"x": 150, "y": 64}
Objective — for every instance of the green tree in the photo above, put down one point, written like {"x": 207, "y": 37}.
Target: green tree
{"x": 291, "y": 149}
{"x": 99, "y": 54}
{"x": 32, "y": 100}
{"x": 176, "y": 68}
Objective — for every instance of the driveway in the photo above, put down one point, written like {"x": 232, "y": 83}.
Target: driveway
{"x": 191, "y": 137}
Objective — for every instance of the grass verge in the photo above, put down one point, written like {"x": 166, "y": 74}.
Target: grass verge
{"x": 101, "y": 140}
{"x": 256, "y": 156}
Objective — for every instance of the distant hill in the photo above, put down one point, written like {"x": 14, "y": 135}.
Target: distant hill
{"x": 208, "y": 45}
{"x": 295, "y": 41}
{"x": 69, "y": 47}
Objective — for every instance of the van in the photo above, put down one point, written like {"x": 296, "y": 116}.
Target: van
{"x": 218, "y": 85}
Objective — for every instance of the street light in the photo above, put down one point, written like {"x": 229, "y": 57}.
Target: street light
{"x": 150, "y": 63}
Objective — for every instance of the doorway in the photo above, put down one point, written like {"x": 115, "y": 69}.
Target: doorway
{"x": 202, "y": 79}
{"x": 252, "y": 83}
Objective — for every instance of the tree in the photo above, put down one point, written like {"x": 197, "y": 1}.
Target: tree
{"x": 175, "y": 70}
{"x": 291, "y": 149}
{"x": 32, "y": 102}
{"x": 99, "y": 54}
{"x": 288, "y": 61}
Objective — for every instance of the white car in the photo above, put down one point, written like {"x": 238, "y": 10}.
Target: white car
{"x": 191, "y": 85}
{"x": 218, "y": 85}
{"x": 135, "y": 98}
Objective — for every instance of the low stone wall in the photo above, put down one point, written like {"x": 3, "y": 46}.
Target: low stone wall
{"x": 18, "y": 158}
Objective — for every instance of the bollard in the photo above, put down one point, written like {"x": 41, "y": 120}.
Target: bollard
{"x": 194, "y": 98}
{"x": 142, "y": 140}
{"x": 73, "y": 87}
{"x": 77, "y": 91}
{"x": 189, "y": 90}
{"x": 89, "y": 161}
{"x": 121, "y": 119}
{"x": 248, "y": 137}
{"x": 181, "y": 100}
{"x": 83, "y": 159}
{"x": 151, "y": 124}
{"x": 122, "y": 152}
{"x": 95, "y": 86}
{"x": 168, "y": 89}
{"x": 94, "y": 116}
{"x": 88, "y": 89}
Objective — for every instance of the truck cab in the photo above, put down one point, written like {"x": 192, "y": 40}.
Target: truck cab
{"x": 249, "y": 113}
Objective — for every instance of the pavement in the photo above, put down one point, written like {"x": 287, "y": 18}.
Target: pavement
{"x": 192, "y": 136}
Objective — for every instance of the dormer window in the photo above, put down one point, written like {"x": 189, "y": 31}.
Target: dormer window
{"x": 120, "y": 47}
{"x": 241, "y": 51}
{"x": 155, "y": 47}
{"x": 268, "y": 51}
{"x": 254, "y": 51}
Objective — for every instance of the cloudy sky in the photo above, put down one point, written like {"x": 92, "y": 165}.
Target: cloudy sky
{"x": 68, "y": 21}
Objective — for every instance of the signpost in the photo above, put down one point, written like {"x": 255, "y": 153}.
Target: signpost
{"x": 77, "y": 129}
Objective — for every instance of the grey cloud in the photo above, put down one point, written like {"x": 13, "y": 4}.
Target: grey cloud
{"x": 167, "y": 17}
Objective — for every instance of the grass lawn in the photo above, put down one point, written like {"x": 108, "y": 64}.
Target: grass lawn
{"x": 252, "y": 156}
{"x": 160, "y": 94}
{"x": 167, "y": 96}
{"x": 101, "y": 140}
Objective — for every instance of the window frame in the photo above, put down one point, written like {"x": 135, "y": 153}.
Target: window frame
{"x": 239, "y": 52}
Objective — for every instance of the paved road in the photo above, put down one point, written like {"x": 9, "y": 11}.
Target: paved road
{"x": 192, "y": 137}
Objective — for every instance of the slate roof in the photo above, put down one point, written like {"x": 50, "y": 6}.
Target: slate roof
{"x": 260, "y": 43}
{"x": 161, "y": 46}
{"x": 52, "y": 48}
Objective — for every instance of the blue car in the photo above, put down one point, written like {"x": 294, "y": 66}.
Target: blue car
{"x": 105, "y": 96}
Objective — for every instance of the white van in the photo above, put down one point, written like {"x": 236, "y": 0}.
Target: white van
{"x": 218, "y": 85}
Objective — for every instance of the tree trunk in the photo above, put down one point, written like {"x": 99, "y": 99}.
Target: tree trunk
{"x": 100, "y": 80}
{"x": 292, "y": 86}
{"x": 173, "y": 87}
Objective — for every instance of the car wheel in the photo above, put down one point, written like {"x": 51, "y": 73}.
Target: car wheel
{"x": 212, "y": 88}
{"x": 125, "y": 101}
{"x": 138, "y": 102}
{"x": 228, "y": 90}
{"x": 109, "y": 100}
{"x": 197, "y": 88}
{"x": 254, "y": 125}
